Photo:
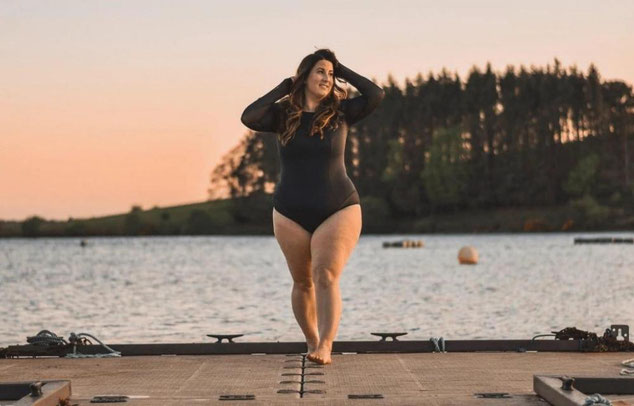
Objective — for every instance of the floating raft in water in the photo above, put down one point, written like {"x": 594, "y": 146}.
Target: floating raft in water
{"x": 404, "y": 244}
{"x": 604, "y": 240}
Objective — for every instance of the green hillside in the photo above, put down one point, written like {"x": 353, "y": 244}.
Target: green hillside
{"x": 252, "y": 216}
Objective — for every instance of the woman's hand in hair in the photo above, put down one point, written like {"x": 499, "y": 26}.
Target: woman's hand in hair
{"x": 337, "y": 68}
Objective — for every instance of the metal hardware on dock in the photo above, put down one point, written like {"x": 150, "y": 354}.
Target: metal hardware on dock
{"x": 623, "y": 328}
{"x": 493, "y": 395}
{"x": 302, "y": 379}
{"x": 237, "y": 397}
{"x": 566, "y": 382}
{"x": 109, "y": 399}
{"x": 386, "y": 335}
{"x": 228, "y": 337}
{"x": 36, "y": 389}
{"x": 366, "y": 396}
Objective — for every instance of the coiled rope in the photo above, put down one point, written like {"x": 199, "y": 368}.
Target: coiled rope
{"x": 629, "y": 363}
{"x": 48, "y": 338}
{"x": 596, "y": 399}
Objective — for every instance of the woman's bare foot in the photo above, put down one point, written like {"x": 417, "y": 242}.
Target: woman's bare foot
{"x": 321, "y": 355}
{"x": 312, "y": 345}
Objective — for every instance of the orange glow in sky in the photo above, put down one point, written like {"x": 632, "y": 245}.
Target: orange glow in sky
{"x": 107, "y": 104}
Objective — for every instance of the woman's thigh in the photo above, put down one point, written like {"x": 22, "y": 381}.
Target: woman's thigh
{"x": 334, "y": 239}
{"x": 295, "y": 244}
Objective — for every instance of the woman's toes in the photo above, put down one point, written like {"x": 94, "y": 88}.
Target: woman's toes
{"x": 319, "y": 359}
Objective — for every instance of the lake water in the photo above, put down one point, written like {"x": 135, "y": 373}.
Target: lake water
{"x": 178, "y": 289}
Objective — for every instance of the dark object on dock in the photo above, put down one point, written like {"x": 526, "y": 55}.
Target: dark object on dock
{"x": 83, "y": 243}
{"x": 493, "y": 395}
{"x": 386, "y": 335}
{"x": 612, "y": 332}
{"x": 34, "y": 392}
{"x": 566, "y": 382}
{"x": 237, "y": 397}
{"x": 608, "y": 240}
{"x": 109, "y": 399}
{"x": 404, "y": 244}
{"x": 46, "y": 338}
{"x": 564, "y": 390}
{"x": 366, "y": 396}
{"x": 221, "y": 337}
{"x": 623, "y": 328}
{"x": 609, "y": 341}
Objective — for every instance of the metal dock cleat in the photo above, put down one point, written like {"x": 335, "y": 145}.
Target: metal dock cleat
{"x": 386, "y": 335}
{"x": 221, "y": 337}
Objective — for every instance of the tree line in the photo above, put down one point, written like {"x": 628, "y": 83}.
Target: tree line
{"x": 522, "y": 137}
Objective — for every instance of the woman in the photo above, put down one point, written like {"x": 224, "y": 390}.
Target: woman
{"x": 317, "y": 213}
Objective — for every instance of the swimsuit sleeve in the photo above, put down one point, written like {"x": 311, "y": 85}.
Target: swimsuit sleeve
{"x": 264, "y": 114}
{"x": 361, "y": 106}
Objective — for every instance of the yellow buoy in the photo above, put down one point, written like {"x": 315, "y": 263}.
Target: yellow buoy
{"x": 468, "y": 256}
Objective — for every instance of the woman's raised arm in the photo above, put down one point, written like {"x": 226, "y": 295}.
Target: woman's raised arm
{"x": 361, "y": 106}
{"x": 264, "y": 114}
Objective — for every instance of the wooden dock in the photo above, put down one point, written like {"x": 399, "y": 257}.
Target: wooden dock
{"x": 353, "y": 379}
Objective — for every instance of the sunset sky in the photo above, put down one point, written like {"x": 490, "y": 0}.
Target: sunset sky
{"x": 105, "y": 104}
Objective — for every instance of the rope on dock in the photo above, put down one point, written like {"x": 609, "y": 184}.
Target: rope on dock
{"x": 629, "y": 363}
{"x": 596, "y": 399}
{"x": 75, "y": 338}
{"x": 589, "y": 341}
{"x": 48, "y": 338}
{"x": 439, "y": 344}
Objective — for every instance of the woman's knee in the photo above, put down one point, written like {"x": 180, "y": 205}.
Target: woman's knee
{"x": 325, "y": 277}
{"x": 303, "y": 284}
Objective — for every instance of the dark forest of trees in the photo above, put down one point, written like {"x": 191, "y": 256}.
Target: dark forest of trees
{"x": 522, "y": 137}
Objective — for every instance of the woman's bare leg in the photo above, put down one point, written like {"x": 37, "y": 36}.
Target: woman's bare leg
{"x": 330, "y": 247}
{"x": 295, "y": 244}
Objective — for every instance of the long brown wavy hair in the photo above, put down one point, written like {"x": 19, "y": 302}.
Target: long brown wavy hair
{"x": 327, "y": 113}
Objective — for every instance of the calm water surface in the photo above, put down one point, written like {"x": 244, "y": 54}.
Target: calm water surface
{"x": 178, "y": 289}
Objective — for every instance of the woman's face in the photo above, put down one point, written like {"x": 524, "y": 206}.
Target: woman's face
{"x": 320, "y": 79}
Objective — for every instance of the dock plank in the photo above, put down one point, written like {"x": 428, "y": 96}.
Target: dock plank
{"x": 401, "y": 378}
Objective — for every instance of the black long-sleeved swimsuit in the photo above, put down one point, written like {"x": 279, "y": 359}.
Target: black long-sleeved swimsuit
{"x": 313, "y": 180}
